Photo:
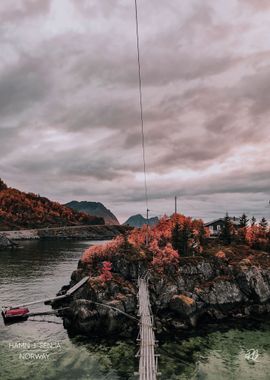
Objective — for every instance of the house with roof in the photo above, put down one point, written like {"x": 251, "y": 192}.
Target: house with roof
{"x": 216, "y": 225}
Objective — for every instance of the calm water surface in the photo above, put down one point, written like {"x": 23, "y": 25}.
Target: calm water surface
{"x": 39, "y": 270}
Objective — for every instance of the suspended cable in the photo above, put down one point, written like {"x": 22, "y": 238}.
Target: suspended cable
{"x": 141, "y": 108}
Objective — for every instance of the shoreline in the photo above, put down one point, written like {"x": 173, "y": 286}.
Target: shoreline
{"x": 85, "y": 232}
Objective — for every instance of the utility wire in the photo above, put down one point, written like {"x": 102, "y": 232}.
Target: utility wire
{"x": 141, "y": 106}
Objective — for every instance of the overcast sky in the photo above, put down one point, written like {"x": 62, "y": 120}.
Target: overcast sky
{"x": 69, "y": 109}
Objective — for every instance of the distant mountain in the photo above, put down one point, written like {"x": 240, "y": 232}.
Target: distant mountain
{"x": 94, "y": 208}
{"x": 138, "y": 221}
{"x": 19, "y": 210}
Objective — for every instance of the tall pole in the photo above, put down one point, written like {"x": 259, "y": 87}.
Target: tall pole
{"x": 147, "y": 232}
{"x": 147, "y": 215}
{"x": 175, "y": 204}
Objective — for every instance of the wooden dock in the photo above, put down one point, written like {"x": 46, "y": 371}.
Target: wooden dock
{"x": 47, "y": 301}
{"x": 12, "y": 314}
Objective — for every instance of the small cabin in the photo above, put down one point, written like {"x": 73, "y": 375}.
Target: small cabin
{"x": 215, "y": 226}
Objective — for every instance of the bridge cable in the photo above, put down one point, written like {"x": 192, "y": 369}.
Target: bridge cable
{"x": 141, "y": 106}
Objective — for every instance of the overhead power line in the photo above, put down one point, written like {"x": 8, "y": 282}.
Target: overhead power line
{"x": 141, "y": 107}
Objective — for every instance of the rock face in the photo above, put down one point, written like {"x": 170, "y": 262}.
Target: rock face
{"x": 201, "y": 289}
{"x": 94, "y": 208}
{"x": 93, "y": 308}
{"x": 208, "y": 289}
{"x": 6, "y": 243}
{"x": 138, "y": 221}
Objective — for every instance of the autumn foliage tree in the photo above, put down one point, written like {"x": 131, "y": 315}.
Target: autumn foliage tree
{"x": 258, "y": 236}
{"x": 170, "y": 239}
{"x": 106, "y": 271}
{"x": 164, "y": 258}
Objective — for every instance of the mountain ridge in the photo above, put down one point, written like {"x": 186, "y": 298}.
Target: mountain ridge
{"x": 94, "y": 208}
{"x": 138, "y": 221}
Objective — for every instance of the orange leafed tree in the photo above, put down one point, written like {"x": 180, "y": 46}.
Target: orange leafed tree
{"x": 258, "y": 237}
{"x": 106, "y": 271}
{"x": 160, "y": 252}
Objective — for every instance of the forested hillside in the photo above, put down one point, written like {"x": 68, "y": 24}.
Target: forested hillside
{"x": 27, "y": 210}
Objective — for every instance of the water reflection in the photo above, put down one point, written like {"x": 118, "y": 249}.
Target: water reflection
{"x": 218, "y": 355}
{"x": 41, "y": 268}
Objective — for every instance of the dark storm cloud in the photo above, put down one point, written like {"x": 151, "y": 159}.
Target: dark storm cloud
{"x": 237, "y": 183}
{"x": 166, "y": 57}
{"x": 69, "y": 107}
{"x": 22, "y": 85}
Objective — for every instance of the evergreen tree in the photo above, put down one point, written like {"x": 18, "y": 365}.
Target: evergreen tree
{"x": 263, "y": 223}
{"x": 253, "y": 221}
{"x": 243, "y": 221}
{"x": 241, "y": 231}
{"x": 226, "y": 231}
{"x": 3, "y": 186}
{"x": 175, "y": 236}
{"x": 202, "y": 234}
{"x": 180, "y": 237}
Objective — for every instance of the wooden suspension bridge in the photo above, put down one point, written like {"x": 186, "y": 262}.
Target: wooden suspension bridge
{"x": 148, "y": 362}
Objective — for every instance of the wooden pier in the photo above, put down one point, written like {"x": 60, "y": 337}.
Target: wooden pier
{"x": 47, "y": 301}
{"x": 20, "y": 312}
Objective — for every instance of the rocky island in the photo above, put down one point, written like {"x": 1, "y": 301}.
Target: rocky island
{"x": 6, "y": 243}
{"x": 192, "y": 279}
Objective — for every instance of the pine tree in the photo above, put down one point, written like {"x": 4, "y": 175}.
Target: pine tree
{"x": 180, "y": 237}
{"x": 175, "y": 237}
{"x": 226, "y": 231}
{"x": 241, "y": 231}
{"x": 263, "y": 223}
{"x": 202, "y": 234}
{"x": 253, "y": 221}
{"x": 243, "y": 221}
{"x": 3, "y": 186}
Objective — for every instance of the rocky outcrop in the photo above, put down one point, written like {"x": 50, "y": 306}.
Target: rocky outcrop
{"x": 200, "y": 289}
{"x": 222, "y": 292}
{"x": 6, "y": 243}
